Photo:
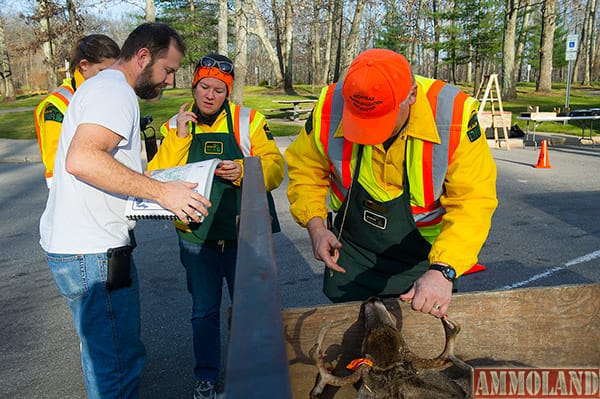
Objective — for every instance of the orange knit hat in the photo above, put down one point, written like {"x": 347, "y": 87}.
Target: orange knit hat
{"x": 205, "y": 72}
{"x": 215, "y": 66}
{"x": 376, "y": 83}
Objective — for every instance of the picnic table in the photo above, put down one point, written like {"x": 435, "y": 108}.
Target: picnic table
{"x": 295, "y": 106}
{"x": 537, "y": 118}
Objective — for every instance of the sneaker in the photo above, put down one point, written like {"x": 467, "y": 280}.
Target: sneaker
{"x": 204, "y": 390}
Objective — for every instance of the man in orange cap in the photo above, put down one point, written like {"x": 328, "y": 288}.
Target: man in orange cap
{"x": 409, "y": 175}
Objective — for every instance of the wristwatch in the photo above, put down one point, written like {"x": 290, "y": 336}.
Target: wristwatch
{"x": 447, "y": 271}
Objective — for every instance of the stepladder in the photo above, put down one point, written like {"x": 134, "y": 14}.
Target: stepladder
{"x": 495, "y": 118}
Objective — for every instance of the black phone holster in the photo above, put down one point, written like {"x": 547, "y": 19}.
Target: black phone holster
{"x": 119, "y": 265}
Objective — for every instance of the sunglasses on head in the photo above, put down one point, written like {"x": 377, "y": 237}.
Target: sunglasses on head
{"x": 224, "y": 66}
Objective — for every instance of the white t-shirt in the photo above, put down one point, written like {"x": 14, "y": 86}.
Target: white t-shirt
{"x": 80, "y": 218}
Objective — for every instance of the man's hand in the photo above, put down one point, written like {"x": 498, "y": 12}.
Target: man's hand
{"x": 324, "y": 243}
{"x": 431, "y": 293}
{"x": 180, "y": 198}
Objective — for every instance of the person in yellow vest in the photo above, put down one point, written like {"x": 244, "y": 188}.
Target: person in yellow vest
{"x": 410, "y": 177}
{"x": 91, "y": 54}
{"x": 214, "y": 127}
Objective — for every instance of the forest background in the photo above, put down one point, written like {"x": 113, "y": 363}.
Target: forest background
{"x": 294, "y": 47}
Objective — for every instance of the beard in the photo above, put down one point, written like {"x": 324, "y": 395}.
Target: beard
{"x": 144, "y": 87}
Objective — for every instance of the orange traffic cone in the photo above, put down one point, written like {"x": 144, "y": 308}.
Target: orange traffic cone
{"x": 543, "y": 161}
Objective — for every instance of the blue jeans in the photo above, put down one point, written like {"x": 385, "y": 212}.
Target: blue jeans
{"x": 107, "y": 322}
{"x": 206, "y": 266}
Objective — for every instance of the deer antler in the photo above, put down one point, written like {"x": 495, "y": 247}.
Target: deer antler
{"x": 451, "y": 330}
{"x": 325, "y": 377}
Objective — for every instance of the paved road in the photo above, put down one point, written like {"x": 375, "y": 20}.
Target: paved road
{"x": 545, "y": 232}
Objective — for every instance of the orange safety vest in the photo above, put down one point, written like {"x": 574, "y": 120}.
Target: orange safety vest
{"x": 60, "y": 98}
{"x": 426, "y": 162}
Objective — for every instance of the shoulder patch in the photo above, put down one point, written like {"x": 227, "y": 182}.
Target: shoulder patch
{"x": 51, "y": 113}
{"x": 473, "y": 129}
{"x": 268, "y": 132}
{"x": 308, "y": 124}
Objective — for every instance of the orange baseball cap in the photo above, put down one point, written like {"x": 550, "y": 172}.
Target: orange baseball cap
{"x": 377, "y": 81}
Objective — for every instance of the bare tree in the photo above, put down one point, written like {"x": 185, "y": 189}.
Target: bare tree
{"x": 337, "y": 16}
{"x": 544, "y": 82}
{"x": 45, "y": 12}
{"x": 5, "y": 68}
{"x": 588, "y": 38}
{"x": 324, "y": 78}
{"x": 223, "y": 20}
{"x": 257, "y": 27}
{"x": 241, "y": 52}
{"x": 509, "y": 85}
{"x": 522, "y": 38}
{"x": 150, "y": 11}
{"x": 351, "y": 49}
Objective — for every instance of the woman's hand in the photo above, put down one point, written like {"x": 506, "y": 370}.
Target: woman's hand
{"x": 229, "y": 170}
{"x": 183, "y": 121}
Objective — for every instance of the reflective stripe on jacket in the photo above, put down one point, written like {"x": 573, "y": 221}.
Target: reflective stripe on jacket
{"x": 60, "y": 98}
{"x": 251, "y": 134}
{"x": 452, "y": 181}
{"x": 427, "y": 162}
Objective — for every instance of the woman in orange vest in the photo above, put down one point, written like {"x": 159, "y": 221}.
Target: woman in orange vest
{"x": 215, "y": 127}
{"x": 405, "y": 166}
{"x": 90, "y": 55}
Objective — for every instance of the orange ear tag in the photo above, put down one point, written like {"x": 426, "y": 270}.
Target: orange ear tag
{"x": 356, "y": 363}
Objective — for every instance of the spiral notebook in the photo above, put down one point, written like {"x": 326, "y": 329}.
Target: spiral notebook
{"x": 196, "y": 172}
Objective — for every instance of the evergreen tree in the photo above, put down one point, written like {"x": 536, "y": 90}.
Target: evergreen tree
{"x": 196, "y": 22}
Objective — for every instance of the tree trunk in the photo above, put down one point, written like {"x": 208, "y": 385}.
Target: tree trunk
{"x": 544, "y": 82}
{"x": 521, "y": 41}
{"x": 47, "y": 47}
{"x": 328, "y": 43}
{"x": 288, "y": 35}
{"x": 588, "y": 36}
{"x": 352, "y": 41}
{"x": 336, "y": 42}
{"x": 315, "y": 59}
{"x": 241, "y": 53}
{"x": 150, "y": 11}
{"x": 435, "y": 6}
{"x": 5, "y": 70}
{"x": 258, "y": 29}
{"x": 222, "y": 36}
{"x": 75, "y": 21}
{"x": 509, "y": 87}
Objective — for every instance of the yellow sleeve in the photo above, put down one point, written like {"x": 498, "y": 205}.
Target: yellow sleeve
{"x": 173, "y": 151}
{"x": 51, "y": 134}
{"x": 48, "y": 136}
{"x": 470, "y": 201}
{"x": 266, "y": 148}
{"x": 308, "y": 172}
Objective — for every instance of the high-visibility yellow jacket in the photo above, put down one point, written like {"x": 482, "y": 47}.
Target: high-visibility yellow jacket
{"x": 251, "y": 133}
{"x": 451, "y": 172}
{"x": 48, "y": 117}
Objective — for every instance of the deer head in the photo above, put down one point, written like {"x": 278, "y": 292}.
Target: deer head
{"x": 389, "y": 369}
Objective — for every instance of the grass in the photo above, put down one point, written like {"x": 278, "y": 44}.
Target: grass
{"x": 20, "y": 125}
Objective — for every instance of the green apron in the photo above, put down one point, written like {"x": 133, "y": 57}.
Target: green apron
{"x": 382, "y": 251}
{"x": 221, "y": 224}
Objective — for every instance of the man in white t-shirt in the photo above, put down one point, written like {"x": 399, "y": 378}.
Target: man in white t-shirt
{"x": 87, "y": 239}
